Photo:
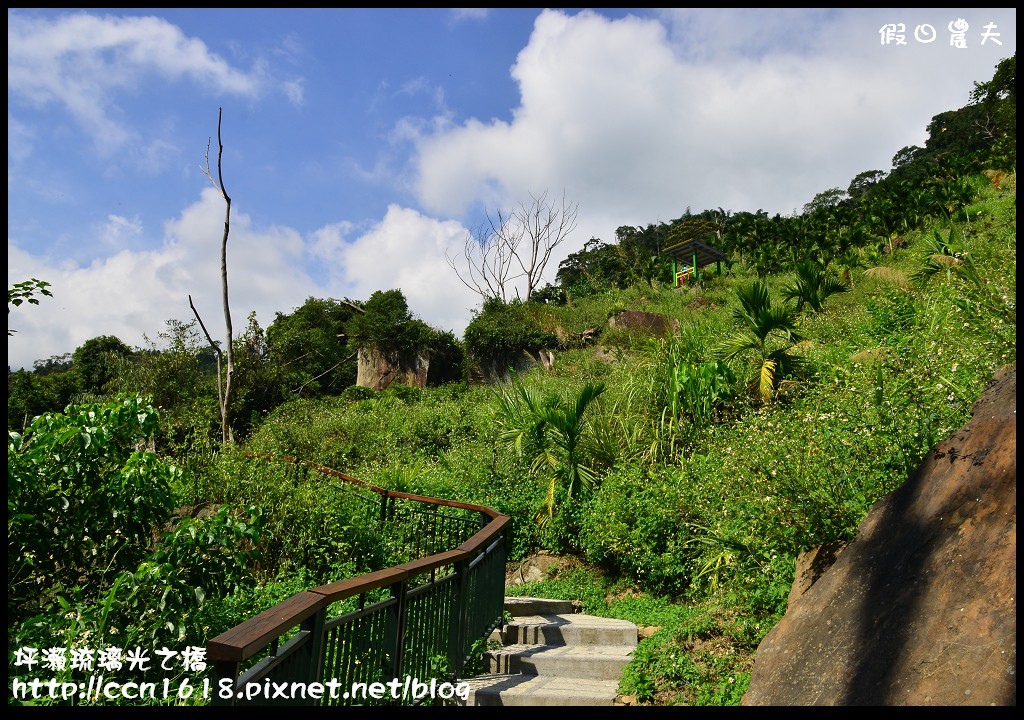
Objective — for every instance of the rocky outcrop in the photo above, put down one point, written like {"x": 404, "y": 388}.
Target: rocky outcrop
{"x": 920, "y": 609}
{"x": 810, "y": 566}
{"x": 653, "y": 323}
{"x": 377, "y": 371}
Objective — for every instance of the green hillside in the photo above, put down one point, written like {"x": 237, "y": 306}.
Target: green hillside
{"x": 676, "y": 477}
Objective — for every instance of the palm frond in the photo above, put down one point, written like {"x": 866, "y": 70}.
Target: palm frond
{"x": 753, "y": 299}
{"x": 766, "y": 384}
{"x": 946, "y": 260}
{"x": 736, "y": 344}
{"x": 814, "y": 284}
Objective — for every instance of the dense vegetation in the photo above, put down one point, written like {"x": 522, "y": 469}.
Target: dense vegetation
{"x": 678, "y": 476}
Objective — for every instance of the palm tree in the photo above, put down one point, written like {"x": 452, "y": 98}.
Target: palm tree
{"x": 847, "y": 262}
{"x": 553, "y": 431}
{"x": 764, "y": 325}
{"x": 939, "y": 253}
{"x": 814, "y": 284}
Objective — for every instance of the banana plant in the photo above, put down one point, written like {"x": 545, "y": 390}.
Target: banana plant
{"x": 696, "y": 389}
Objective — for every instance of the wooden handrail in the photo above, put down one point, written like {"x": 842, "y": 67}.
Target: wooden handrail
{"x": 250, "y": 637}
{"x": 243, "y": 641}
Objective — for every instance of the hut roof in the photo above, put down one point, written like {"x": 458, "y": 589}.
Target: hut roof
{"x": 685, "y": 251}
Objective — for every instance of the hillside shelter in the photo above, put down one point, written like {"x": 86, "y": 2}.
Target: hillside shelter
{"x": 689, "y": 256}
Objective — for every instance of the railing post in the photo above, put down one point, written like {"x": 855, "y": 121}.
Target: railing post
{"x": 224, "y": 669}
{"x": 457, "y": 626}
{"x": 315, "y": 626}
{"x": 373, "y": 638}
{"x": 384, "y": 500}
{"x": 394, "y": 629}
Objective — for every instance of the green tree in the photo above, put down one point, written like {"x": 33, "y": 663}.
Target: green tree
{"x": 33, "y": 393}
{"x": 861, "y": 186}
{"x": 769, "y": 332}
{"x": 26, "y": 292}
{"x": 996, "y": 101}
{"x": 96, "y": 362}
{"x": 826, "y": 200}
{"x": 593, "y": 269}
{"x": 634, "y": 258}
{"x": 500, "y": 333}
{"x": 309, "y": 347}
{"x": 553, "y": 430}
{"x": 82, "y": 499}
{"x": 178, "y": 373}
{"x": 387, "y": 324}
{"x": 258, "y": 383}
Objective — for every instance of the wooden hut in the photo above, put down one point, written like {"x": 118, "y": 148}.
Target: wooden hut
{"x": 689, "y": 256}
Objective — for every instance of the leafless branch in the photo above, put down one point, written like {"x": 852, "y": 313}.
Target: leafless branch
{"x": 225, "y": 393}
{"x": 522, "y": 239}
{"x": 216, "y": 349}
{"x": 323, "y": 373}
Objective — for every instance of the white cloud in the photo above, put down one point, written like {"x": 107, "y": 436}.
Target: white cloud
{"x": 120, "y": 231}
{"x": 407, "y": 251}
{"x": 632, "y": 119}
{"x": 129, "y": 293}
{"x": 82, "y": 61}
{"x": 131, "y": 290}
{"x": 465, "y": 14}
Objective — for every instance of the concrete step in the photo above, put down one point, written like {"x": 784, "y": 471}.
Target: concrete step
{"x": 520, "y": 606}
{"x": 551, "y": 656}
{"x": 540, "y": 690}
{"x": 569, "y": 630}
{"x": 594, "y": 662}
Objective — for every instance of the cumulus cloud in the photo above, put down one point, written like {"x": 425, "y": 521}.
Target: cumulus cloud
{"x": 406, "y": 250}
{"x": 82, "y": 61}
{"x": 634, "y": 119}
{"x": 635, "y": 122}
{"x": 130, "y": 290}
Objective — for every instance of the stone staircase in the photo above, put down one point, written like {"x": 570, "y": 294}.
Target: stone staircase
{"x": 551, "y": 655}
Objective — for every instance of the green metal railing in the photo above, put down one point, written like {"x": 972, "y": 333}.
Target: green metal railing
{"x": 417, "y": 620}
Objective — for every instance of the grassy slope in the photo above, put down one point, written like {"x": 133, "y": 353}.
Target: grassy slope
{"x": 699, "y": 541}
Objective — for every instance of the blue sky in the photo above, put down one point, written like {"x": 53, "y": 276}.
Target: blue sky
{"x": 362, "y": 145}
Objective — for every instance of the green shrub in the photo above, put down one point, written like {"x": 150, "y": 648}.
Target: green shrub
{"x": 893, "y": 315}
{"x": 387, "y": 324}
{"x": 159, "y": 604}
{"x": 635, "y": 525}
{"x": 83, "y": 499}
{"x": 500, "y": 333}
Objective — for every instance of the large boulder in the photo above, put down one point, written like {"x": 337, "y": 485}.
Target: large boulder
{"x": 920, "y": 609}
{"x": 376, "y": 370}
{"x": 648, "y": 322}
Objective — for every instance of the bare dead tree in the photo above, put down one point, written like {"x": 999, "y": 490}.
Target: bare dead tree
{"x": 225, "y": 432}
{"x": 223, "y": 384}
{"x": 514, "y": 246}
